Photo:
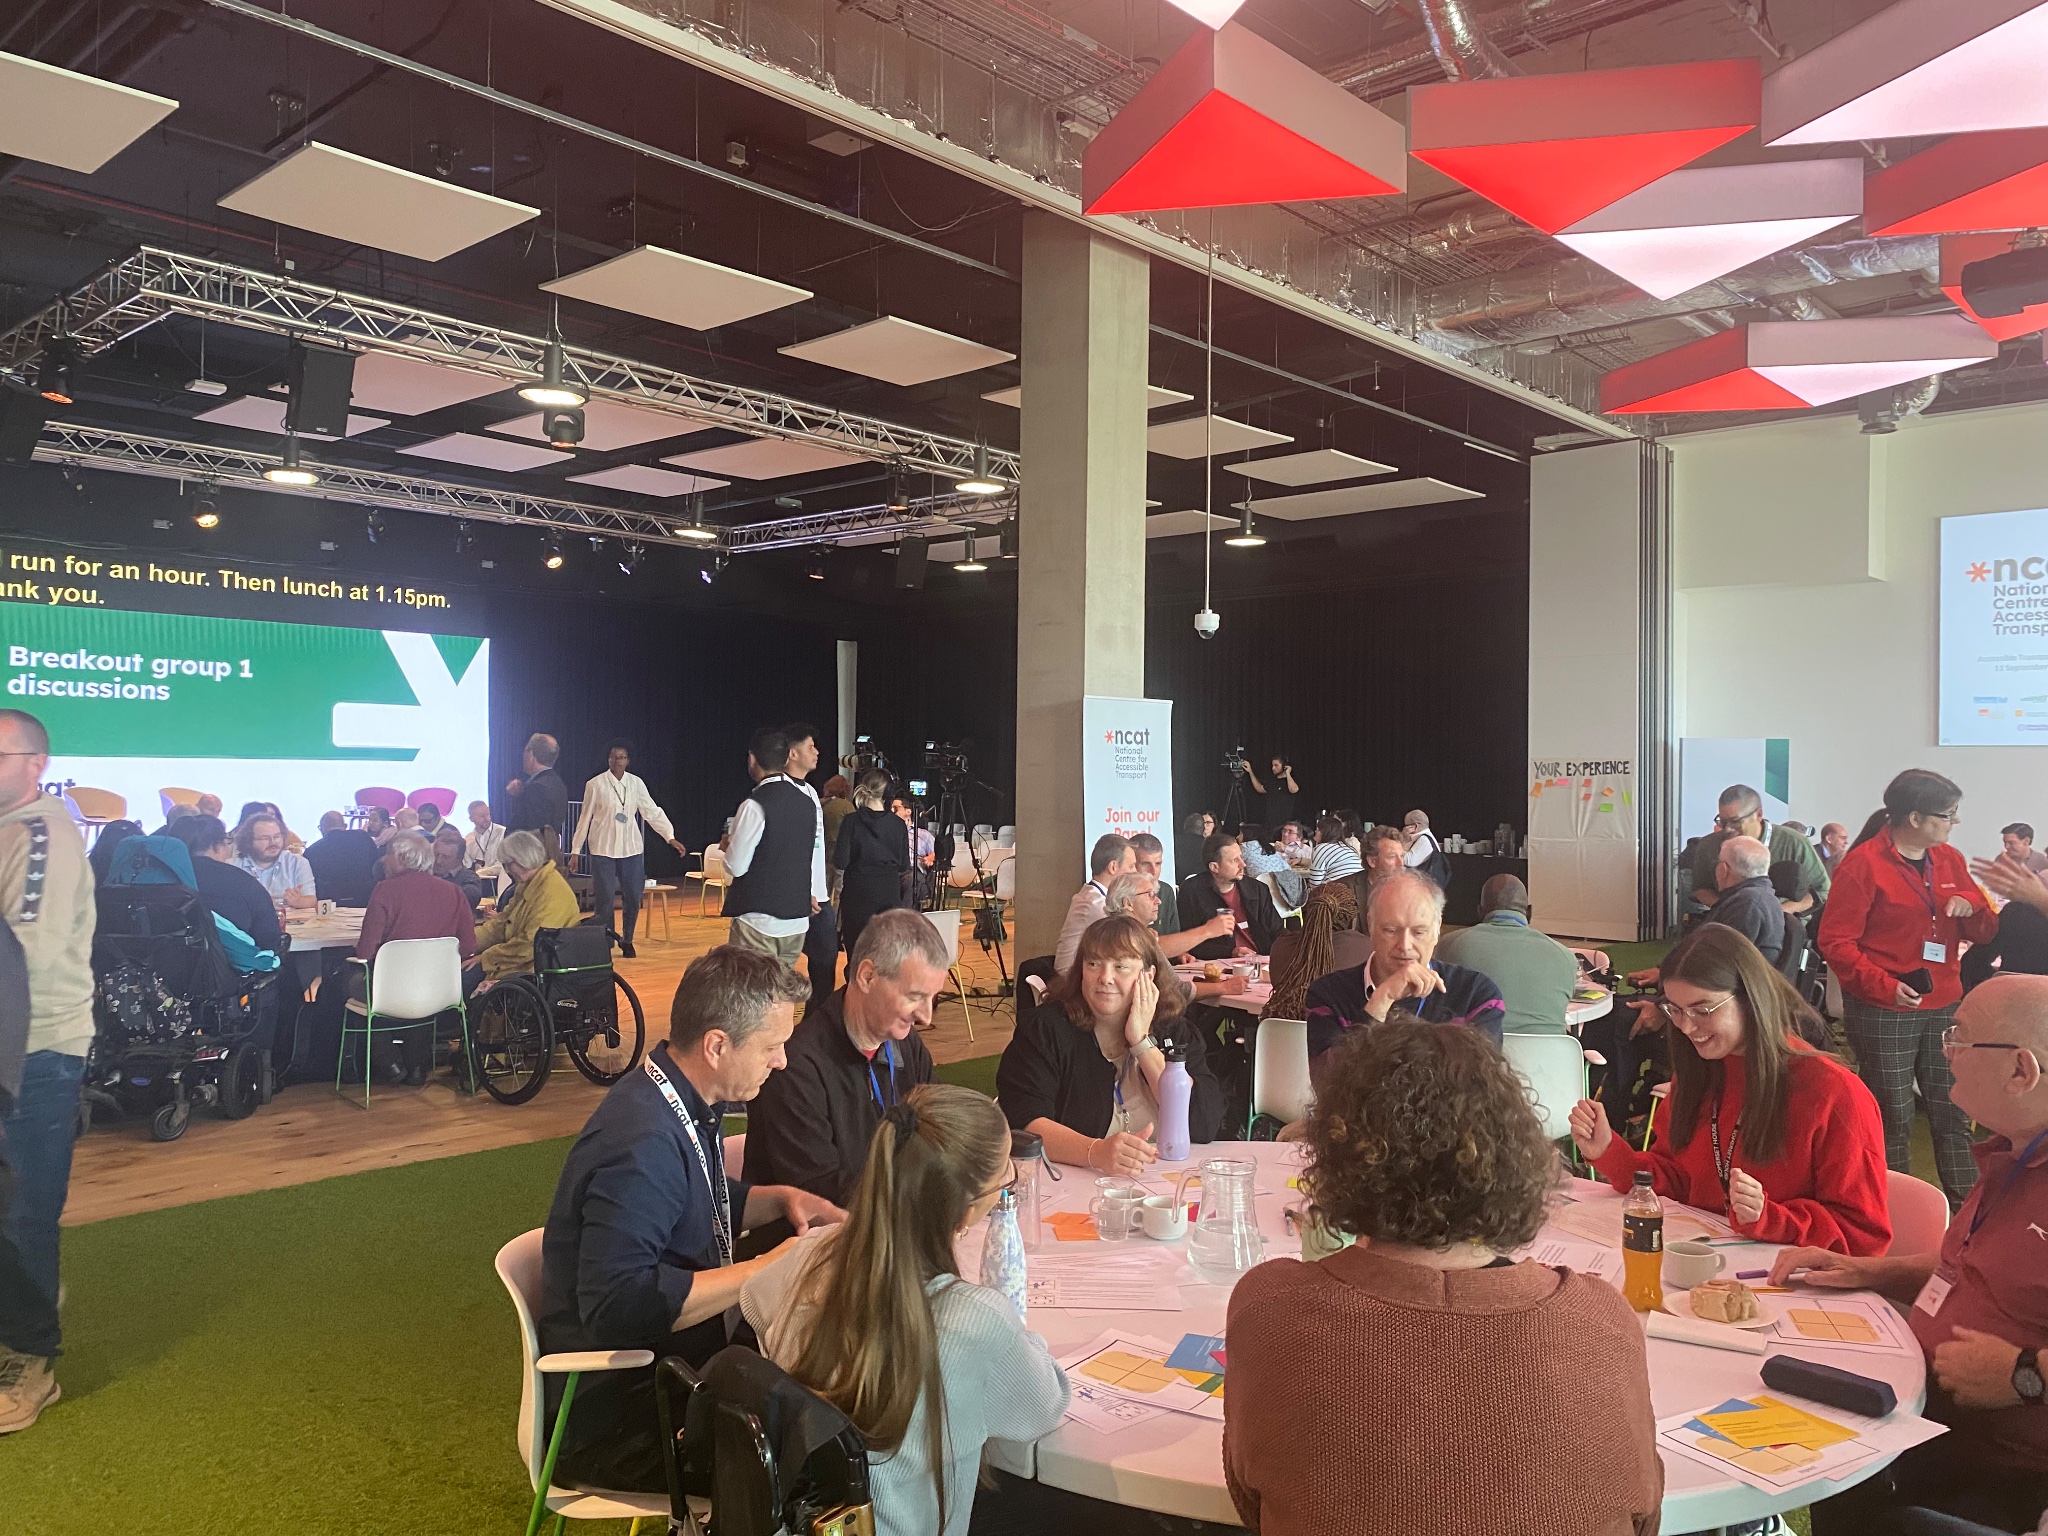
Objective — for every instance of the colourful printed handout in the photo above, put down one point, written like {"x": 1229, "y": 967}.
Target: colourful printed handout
{"x": 1138, "y": 1368}
{"x": 1777, "y": 1444}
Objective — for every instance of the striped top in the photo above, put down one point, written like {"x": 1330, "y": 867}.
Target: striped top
{"x": 1333, "y": 861}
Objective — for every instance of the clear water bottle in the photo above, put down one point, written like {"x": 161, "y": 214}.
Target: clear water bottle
{"x": 1028, "y": 1164}
{"x": 1002, "y": 1252}
{"x": 1174, "y": 1091}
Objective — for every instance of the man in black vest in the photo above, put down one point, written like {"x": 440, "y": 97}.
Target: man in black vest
{"x": 776, "y": 856}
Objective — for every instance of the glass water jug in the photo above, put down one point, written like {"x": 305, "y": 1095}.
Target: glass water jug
{"x": 1225, "y": 1241}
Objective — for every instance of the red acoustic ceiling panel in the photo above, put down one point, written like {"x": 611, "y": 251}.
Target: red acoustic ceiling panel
{"x": 1553, "y": 149}
{"x": 1794, "y": 364}
{"x": 1230, "y": 120}
{"x": 1957, "y": 252}
{"x": 1973, "y": 181}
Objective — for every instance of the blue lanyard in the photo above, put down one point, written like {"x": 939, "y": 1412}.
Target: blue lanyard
{"x": 2019, "y": 1166}
{"x": 889, "y": 1052}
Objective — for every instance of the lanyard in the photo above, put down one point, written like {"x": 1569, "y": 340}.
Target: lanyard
{"x": 721, "y": 1196}
{"x": 2018, "y": 1167}
{"x": 618, "y": 788}
{"x": 889, "y": 1053}
{"x": 1722, "y": 1167}
{"x": 1925, "y": 875}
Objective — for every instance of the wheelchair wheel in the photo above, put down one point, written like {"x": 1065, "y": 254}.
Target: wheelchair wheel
{"x": 241, "y": 1082}
{"x": 608, "y": 1033}
{"x": 169, "y": 1122}
{"x": 512, "y": 1041}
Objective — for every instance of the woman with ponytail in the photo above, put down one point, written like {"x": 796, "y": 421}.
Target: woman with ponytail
{"x": 1902, "y": 906}
{"x": 876, "y": 1319}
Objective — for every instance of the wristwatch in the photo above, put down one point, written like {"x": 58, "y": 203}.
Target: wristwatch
{"x": 1146, "y": 1044}
{"x": 2026, "y": 1378}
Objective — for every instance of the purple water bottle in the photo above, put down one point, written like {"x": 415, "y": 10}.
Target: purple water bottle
{"x": 1175, "y": 1089}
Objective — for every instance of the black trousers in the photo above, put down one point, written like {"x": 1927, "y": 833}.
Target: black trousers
{"x": 1947, "y": 1474}
{"x": 821, "y": 954}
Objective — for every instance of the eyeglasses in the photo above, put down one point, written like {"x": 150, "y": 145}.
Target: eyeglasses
{"x": 1949, "y": 1042}
{"x": 1953, "y": 818}
{"x": 1734, "y": 823}
{"x": 1678, "y": 1015}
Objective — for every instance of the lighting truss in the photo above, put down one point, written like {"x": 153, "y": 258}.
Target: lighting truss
{"x": 825, "y": 527}
{"x": 136, "y": 292}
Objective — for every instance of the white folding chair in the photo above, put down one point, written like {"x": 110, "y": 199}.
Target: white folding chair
{"x": 519, "y": 1268}
{"x": 1554, "y": 1067}
{"x": 1006, "y": 836}
{"x": 1280, "y": 1084}
{"x": 948, "y": 924}
{"x": 410, "y": 983}
{"x": 712, "y": 872}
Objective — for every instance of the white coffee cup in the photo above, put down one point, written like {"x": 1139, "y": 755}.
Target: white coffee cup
{"x": 1164, "y": 1217}
{"x": 1688, "y": 1264}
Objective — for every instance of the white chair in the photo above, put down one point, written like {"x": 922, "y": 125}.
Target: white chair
{"x": 412, "y": 982}
{"x": 1554, "y": 1067}
{"x": 1006, "y": 836}
{"x": 712, "y": 872}
{"x": 518, "y": 1266}
{"x": 1280, "y": 1084}
{"x": 1919, "y": 1214}
{"x": 948, "y": 924}
{"x": 983, "y": 832}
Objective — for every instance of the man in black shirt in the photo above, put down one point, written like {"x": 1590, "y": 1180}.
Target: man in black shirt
{"x": 1279, "y": 796}
{"x": 232, "y": 892}
{"x": 540, "y": 801}
{"x": 1221, "y": 886}
{"x": 344, "y": 861}
{"x": 856, "y": 1054}
{"x": 1749, "y": 903}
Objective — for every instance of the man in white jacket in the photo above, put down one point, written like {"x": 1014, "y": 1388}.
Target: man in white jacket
{"x": 614, "y": 805}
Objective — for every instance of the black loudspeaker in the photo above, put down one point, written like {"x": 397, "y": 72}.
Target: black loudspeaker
{"x": 910, "y": 564}
{"x": 322, "y": 378}
{"x": 21, "y": 422}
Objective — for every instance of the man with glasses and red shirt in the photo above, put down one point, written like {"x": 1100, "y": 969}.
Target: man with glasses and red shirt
{"x": 1979, "y": 1306}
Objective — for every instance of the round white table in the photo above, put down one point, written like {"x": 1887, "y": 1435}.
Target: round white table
{"x": 338, "y": 930}
{"x": 1174, "y": 1464}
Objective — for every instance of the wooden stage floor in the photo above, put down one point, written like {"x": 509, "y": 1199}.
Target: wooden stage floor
{"x": 309, "y": 1133}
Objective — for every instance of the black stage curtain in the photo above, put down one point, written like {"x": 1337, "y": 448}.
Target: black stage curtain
{"x": 1384, "y": 698}
{"x": 947, "y": 677}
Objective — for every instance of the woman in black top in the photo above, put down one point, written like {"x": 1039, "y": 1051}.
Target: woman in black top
{"x": 874, "y": 853}
{"x": 1083, "y": 1069}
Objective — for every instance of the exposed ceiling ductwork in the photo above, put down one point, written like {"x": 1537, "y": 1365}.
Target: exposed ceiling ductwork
{"x": 1459, "y": 44}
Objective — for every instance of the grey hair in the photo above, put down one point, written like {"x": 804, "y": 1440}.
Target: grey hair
{"x": 1415, "y": 819}
{"x": 544, "y": 748}
{"x": 523, "y": 849}
{"x": 1124, "y": 890}
{"x": 1742, "y": 798}
{"x": 1746, "y": 857}
{"x": 1401, "y": 880}
{"x": 892, "y": 937}
{"x": 411, "y": 850}
{"x": 731, "y": 990}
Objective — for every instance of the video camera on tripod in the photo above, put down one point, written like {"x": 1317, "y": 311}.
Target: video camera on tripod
{"x": 1233, "y": 762}
{"x": 865, "y": 757}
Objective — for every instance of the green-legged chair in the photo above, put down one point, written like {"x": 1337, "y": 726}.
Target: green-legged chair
{"x": 409, "y": 984}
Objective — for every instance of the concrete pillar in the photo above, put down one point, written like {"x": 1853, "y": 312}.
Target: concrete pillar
{"x": 1081, "y": 559}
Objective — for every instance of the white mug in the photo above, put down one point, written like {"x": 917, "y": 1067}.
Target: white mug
{"x": 1164, "y": 1217}
{"x": 1688, "y": 1264}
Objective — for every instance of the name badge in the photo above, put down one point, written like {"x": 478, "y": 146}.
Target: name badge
{"x": 1932, "y": 1295}
{"x": 619, "y": 817}
{"x": 1934, "y": 952}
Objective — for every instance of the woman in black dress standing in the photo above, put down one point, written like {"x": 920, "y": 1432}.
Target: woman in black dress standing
{"x": 874, "y": 853}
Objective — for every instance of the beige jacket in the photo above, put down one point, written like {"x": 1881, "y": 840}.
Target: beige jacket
{"x": 57, "y": 936}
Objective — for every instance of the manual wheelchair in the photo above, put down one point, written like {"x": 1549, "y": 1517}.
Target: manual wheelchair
{"x": 573, "y": 998}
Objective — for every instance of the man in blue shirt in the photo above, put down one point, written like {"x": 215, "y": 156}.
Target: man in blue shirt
{"x": 638, "y": 1248}
{"x": 1404, "y": 919}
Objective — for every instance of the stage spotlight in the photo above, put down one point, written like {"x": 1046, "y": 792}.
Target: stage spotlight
{"x": 205, "y": 513}
{"x": 289, "y": 470}
{"x": 629, "y": 558}
{"x": 564, "y": 429}
{"x": 1246, "y": 537}
{"x": 697, "y": 533}
{"x": 53, "y": 376}
{"x": 551, "y": 552}
{"x": 980, "y": 482}
{"x": 465, "y": 535}
{"x": 969, "y": 566}
{"x": 815, "y": 566}
{"x": 899, "y": 498}
{"x": 373, "y": 525}
{"x": 596, "y": 544}
{"x": 1006, "y": 538}
{"x": 554, "y": 387}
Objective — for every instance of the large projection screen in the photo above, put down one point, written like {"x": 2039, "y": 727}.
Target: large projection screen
{"x": 1994, "y": 630}
{"x": 231, "y": 700}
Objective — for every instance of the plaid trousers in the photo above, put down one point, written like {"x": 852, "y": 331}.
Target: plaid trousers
{"x": 1895, "y": 1050}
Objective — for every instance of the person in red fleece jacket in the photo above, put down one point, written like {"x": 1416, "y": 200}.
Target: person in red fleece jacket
{"x": 1903, "y": 903}
{"x": 1761, "y": 1127}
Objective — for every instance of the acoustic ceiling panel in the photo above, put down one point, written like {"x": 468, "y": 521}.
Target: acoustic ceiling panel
{"x": 1230, "y": 119}
{"x": 404, "y": 386}
{"x": 682, "y": 290}
{"x": 1167, "y": 525}
{"x": 1386, "y": 495}
{"x": 1191, "y": 438}
{"x": 1977, "y": 181}
{"x": 68, "y": 120}
{"x": 1317, "y": 467}
{"x": 485, "y": 452}
{"x": 263, "y": 413}
{"x": 1552, "y": 149}
{"x": 608, "y": 426}
{"x": 1917, "y": 67}
{"x": 365, "y": 202}
{"x": 644, "y": 480}
{"x": 1794, "y": 364}
{"x": 764, "y": 458}
{"x": 898, "y": 352}
{"x": 1155, "y": 397}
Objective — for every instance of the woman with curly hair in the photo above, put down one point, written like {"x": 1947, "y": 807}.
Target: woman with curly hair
{"x": 1399, "y": 1384}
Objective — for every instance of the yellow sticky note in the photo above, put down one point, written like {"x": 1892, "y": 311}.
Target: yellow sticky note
{"x": 1774, "y": 1423}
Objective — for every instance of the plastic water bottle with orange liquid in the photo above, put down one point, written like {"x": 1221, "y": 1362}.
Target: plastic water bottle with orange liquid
{"x": 1642, "y": 1246}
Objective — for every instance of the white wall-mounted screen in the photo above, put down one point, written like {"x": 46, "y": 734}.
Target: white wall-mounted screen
{"x": 1994, "y": 630}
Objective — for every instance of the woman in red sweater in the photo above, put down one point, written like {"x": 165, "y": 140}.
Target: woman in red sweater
{"x": 1902, "y": 905}
{"x": 1763, "y": 1128}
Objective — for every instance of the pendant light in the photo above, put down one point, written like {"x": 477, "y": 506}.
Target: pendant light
{"x": 554, "y": 388}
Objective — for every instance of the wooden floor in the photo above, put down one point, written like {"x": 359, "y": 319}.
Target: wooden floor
{"x": 309, "y": 1133}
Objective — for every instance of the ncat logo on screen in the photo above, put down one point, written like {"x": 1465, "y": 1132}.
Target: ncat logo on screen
{"x": 1141, "y": 738}
{"x": 2033, "y": 568}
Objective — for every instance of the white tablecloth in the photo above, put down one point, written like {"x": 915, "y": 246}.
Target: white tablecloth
{"x": 339, "y": 930}
{"x": 1174, "y": 1464}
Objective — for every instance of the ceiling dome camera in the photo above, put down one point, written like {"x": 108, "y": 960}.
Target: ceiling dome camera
{"x": 1207, "y": 622}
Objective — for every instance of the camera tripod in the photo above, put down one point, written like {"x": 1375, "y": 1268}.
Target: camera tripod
{"x": 1233, "y": 803}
